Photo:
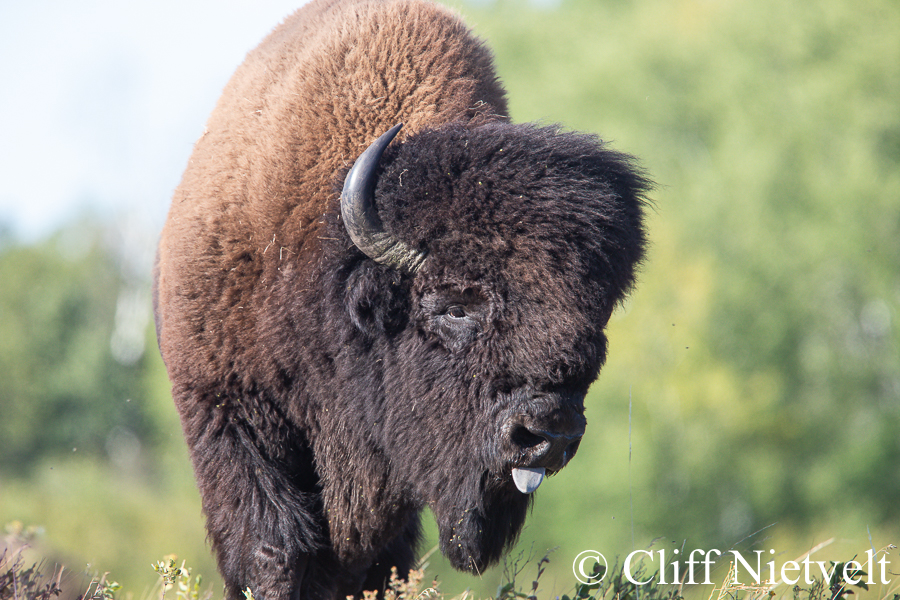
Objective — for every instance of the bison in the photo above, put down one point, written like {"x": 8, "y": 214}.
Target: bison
{"x": 356, "y": 329}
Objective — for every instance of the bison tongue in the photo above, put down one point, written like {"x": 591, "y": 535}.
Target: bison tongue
{"x": 528, "y": 479}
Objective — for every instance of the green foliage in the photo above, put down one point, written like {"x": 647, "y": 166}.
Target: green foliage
{"x": 19, "y": 583}
{"x": 101, "y": 589}
{"x": 619, "y": 587}
{"x": 835, "y": 587}
{"x": 407, "y": 588}
{"x": 180, "y": 579}
{"x": 16, "y": 583}
{"x": 64, "y": 389}
{"x": 512, "y": 569}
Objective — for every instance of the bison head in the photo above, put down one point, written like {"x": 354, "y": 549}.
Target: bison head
{"x": 487, "y": 262}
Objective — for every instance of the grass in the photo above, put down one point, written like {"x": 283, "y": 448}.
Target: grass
{"x": 177, "y": 581}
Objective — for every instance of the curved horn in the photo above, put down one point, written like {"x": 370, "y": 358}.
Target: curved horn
{"x": 361, "y": 219}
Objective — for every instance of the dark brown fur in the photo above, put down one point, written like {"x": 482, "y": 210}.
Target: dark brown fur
{"x": 325, "y": 398}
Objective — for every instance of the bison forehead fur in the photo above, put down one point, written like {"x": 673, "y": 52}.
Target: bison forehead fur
{"x": 326, "y": 398}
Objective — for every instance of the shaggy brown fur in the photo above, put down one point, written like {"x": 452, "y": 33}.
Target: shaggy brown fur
{"x": 326, "y": 398}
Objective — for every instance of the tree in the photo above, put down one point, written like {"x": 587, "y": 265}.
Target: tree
{"x": 72, "y": 371}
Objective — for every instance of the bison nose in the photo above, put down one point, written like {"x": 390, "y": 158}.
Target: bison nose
{"x": 545, "y": 447}
{"x": 539, "y": 448}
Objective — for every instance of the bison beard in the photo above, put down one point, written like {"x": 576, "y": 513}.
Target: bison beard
{"x": 346, "y": 348}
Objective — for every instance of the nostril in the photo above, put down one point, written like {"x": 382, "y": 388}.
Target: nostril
{"x": 525, "y": 438}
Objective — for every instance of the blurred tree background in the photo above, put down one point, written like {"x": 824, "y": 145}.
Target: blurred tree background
{"x": 752, "y": 394}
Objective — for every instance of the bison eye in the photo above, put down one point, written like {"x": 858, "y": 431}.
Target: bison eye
{"x": 453, "y": 318}
{"x": 456, "y": 312}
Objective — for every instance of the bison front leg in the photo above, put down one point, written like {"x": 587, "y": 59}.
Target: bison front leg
{"x": 255, "y": 483}
{"x": 399, "y": 554}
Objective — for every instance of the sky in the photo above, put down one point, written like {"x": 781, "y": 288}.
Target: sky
{"x": 101, "y": 100}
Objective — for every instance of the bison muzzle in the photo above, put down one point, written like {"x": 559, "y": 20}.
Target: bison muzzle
{"x": 361, "y": 319}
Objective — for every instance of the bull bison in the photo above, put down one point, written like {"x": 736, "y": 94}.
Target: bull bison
{"x": 347, "y": 347}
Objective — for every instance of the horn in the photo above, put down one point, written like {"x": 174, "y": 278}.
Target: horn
{"x": 361, "y": 219}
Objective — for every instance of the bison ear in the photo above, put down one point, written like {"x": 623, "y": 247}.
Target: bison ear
{"x": 377, "y": 299}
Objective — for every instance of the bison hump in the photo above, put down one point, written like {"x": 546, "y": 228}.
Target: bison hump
{"x": 292, "y": 119}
